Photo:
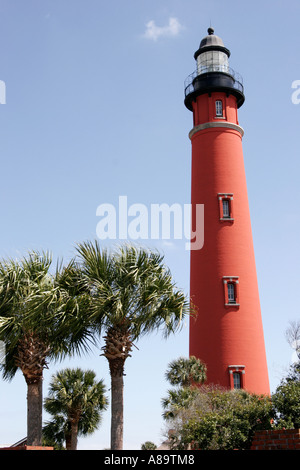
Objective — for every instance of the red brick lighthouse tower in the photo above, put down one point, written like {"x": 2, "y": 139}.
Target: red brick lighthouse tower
{"x": 227, "y": 333}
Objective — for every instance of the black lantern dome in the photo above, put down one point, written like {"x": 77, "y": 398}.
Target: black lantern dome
{"x": 211, "y": 42}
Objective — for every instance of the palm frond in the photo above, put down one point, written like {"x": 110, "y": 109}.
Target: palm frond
{"x": 54, "y": 307}
{"x": 132, "y": 284}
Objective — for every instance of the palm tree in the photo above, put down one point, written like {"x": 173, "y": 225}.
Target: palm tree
{"x": 75, "y": 401}
{"x": 36, "y": 315}
{"x": 184, "y": 373}
{"x": 177, "y": 400}
{"x": 132, "y": 294}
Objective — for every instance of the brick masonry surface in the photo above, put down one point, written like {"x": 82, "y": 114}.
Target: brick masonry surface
{"x": 282, "y": 439}
{"x": 27, "y": 448}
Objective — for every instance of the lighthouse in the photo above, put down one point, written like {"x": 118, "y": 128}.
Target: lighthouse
{"x": 226, "y": 332}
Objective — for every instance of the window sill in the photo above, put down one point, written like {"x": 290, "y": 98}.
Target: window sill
{"x": 232, "y": 305}
{"x": 230, "y": 219}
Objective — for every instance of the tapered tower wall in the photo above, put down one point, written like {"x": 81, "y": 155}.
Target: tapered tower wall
{"x": 227, "y": 332}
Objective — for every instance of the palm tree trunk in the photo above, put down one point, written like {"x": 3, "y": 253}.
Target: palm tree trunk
{"x": 68, "y": 441}
{"x": 117, "y": 387}
{"x": 31, "y": 359}
{"x": 74, "y": 435}
{"x": 34, "y": 412}
{"x": 118, "y": 345}
{"x": 116, "y": 367}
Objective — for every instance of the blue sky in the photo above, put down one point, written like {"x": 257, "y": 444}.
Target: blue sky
{"x": 94, "y": 110}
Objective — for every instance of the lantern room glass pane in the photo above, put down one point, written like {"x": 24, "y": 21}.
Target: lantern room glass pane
{"x": 212, "y": 61}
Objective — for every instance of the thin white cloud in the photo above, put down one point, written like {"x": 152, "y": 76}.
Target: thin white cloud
{"x": 154, "y": 32}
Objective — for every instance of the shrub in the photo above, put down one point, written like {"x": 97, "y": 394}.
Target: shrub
{"x": 222, "y": 420}
{"x": 286, "y": 400}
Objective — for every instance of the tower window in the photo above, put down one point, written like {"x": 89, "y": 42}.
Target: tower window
{"x": 226, "y": 210}
{"x": 219, "y": 108}
{"x": 231, "y": 291}
{"x": 237, "y": 376}
{"x": 226, "y": 206}
{"x": 236, "y": 380}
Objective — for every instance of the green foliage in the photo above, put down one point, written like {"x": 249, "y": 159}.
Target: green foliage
{"x": 186, "y": 372}
{"x": 177, "y": 400}
{"x": 294, "y": 373}
{"x": 183, "y": 373}
{"x": 132, "y": 294}
{"x": 148, "y": 445}
{"x": 74, "y": 396}
{"x": 286, "y": 400}
{"x": 38, "y": 304}
{"x": 221, "y": 420}
{"x": 132, "y": 289}
{"x": 54, "y": 433}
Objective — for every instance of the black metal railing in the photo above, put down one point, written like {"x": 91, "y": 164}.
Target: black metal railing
{"x": 237, "y": 81}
